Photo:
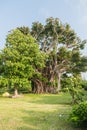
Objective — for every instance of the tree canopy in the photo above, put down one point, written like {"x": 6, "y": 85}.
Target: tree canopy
{"x": 21, "y": 58}
{"x": 63, "y": 46}
{"x": 42, "y": 55}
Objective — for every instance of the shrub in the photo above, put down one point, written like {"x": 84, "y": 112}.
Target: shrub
{"x": 72, "y": 85}
{"x": 79, "y": 114}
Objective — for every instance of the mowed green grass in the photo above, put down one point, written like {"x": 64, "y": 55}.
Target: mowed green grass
{"x": 36, "y": 112}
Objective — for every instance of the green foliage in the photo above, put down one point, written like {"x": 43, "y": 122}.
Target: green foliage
{"x": 3, "y": 82}
{"x": 73, "y": 86}
{"x": 21, "y": 59}
{"x": 24, "y": 30}
{"x": 3, "y": 85}
{"x": 78, "y": 62}
{"x": 23, "y": 85}
{"x": 84, "y": 84}
{"x": 79, "y": 114}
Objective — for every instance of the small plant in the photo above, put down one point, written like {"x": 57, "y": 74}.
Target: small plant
{"x": 72, "y": 85}
{"x": 79, "y": 114}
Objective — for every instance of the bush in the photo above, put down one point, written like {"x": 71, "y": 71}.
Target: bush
{"x": 79, "y": 114}
{"x": 72, "y": 85}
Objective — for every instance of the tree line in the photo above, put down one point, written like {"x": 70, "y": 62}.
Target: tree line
{"x": 39, "y": 58}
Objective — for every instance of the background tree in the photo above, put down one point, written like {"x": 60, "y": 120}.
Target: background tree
{"x": 20, "y": 59}
{"x": 61, "y": 44}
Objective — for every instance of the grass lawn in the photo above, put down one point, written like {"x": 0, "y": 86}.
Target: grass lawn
{"x": 36, "y": 112}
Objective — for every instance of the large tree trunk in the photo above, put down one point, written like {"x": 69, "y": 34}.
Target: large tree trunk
{"x": 37, "y": 86}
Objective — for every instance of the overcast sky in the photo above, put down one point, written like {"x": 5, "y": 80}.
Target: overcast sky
{"x": 16, "y": 13}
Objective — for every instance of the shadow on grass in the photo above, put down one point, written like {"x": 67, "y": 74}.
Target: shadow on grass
{"x": 53, "y": 99}
{"x": 28, "y": 128}
{"x": 34, "y": 120}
